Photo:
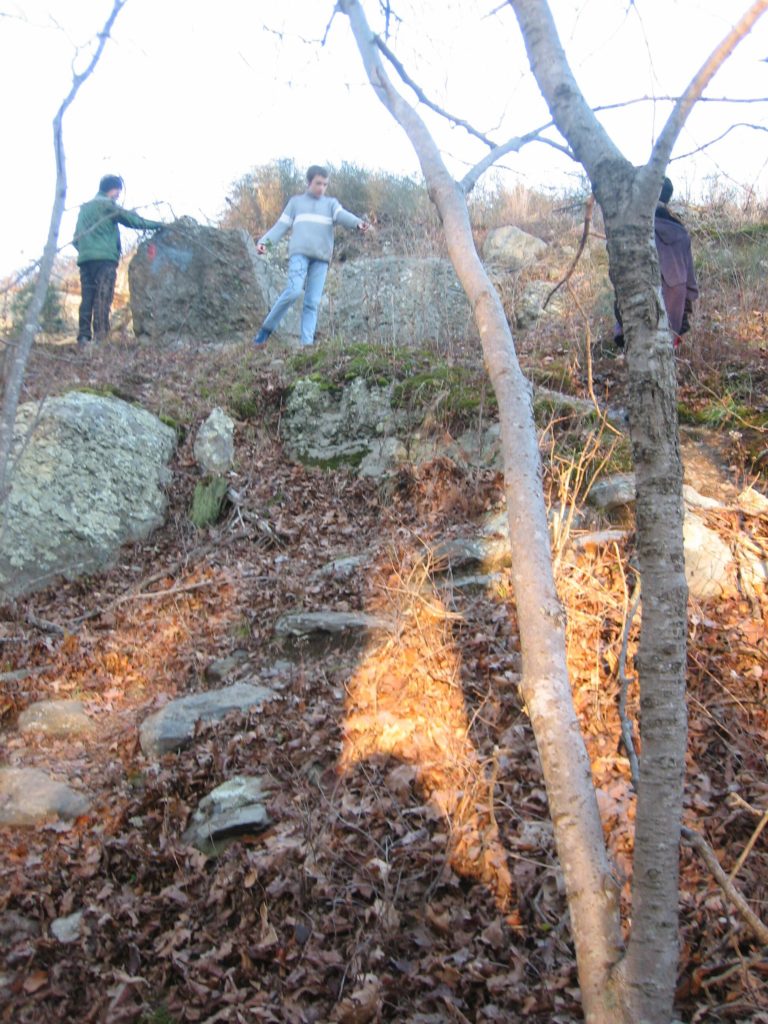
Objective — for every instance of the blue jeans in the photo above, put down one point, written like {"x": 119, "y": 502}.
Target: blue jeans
{"x": 300, "y": 268}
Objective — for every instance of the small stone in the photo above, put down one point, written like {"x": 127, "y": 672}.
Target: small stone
{"x": 67, "y": 929}
{"x": 29, "y": 797}
{"x": 56, "y": 718}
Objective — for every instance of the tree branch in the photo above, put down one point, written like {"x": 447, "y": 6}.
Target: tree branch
{"x": 662, "y": 149}
{"x": 699, "y": 843}
{"x": 706, "y": 145}
{"x": 474, "y": 174}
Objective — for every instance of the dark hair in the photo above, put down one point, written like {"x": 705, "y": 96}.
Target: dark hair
{"x": 316, "y": 171}
{"x": 110, "y": 181}
{"x": 667, "y": 189}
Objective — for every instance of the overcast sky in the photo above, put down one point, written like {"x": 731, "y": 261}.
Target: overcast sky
{"x": 190, "y": 95}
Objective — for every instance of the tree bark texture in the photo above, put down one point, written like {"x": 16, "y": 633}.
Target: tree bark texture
{"x": 592, "y": 895}
{"x": 645, "y": 978}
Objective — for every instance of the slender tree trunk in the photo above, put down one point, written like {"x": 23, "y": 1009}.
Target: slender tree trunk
{"x": 573, "y": 806}
{"x": 17, "y": 355}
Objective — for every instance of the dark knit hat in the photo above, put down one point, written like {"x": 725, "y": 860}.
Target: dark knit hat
{"x": 110, "y": 181}
{"x": 667, "y": 189}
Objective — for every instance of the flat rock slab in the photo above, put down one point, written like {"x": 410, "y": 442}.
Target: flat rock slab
{"x": 234, "y": 809}
{"x": 59, "y": 719}
{"x": 30, "y": 797}
{"x": 173, "y": 727}
{"x": 612, "y": 492}
{"x": 341, "y": 625}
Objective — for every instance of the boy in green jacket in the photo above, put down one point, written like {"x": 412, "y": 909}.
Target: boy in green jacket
{"x": 97, "y": 240}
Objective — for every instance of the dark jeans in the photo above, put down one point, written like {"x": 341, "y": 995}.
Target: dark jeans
{"x": 97, "y": 287}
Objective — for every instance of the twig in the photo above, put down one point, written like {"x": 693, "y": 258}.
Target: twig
{"x": 699, "y": 843}
{"x": 588, "y": 211}
{"x": 748, "y": 848}
{"x": 154, "y": 595}
{"x": 43, "y": 625}
{"x": 626, "y": 725}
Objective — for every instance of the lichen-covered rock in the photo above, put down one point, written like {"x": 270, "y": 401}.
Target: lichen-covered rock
{"x": 234, "y": 809}
{"x": 89, "y": 476}
{"x": 323, "y": 427}
{"x": 57, "y": 719}
{"x": 397, "y": 300}
{"x": 511, "y": 248}
{"x": 215, "y": 443}
{"x": 192, "y": 281}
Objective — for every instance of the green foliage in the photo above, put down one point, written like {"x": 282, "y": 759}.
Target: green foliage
{"x": 243, "y": 400}
{"x": 160, "y": 1015}
{"x": 53, "y": 319}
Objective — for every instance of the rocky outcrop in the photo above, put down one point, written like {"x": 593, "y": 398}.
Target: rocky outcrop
{"x": 89, "y": 477}
{"x": 400, "y": 300}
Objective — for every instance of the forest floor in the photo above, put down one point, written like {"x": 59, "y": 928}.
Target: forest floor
{"x": 410, "y": 873}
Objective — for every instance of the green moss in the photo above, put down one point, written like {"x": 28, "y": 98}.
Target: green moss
{"x": 243, "y": 400}
{"x": 208, "y": 501}
{"x": 724, "y": 413}
{"x": 349, "y": 460}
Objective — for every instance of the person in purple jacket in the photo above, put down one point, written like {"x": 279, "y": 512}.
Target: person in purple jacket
{"x": 311, "y": 217}
{"x": 678, "y": 278}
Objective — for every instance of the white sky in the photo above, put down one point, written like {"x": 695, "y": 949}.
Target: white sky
{"x": 191, "y": 94}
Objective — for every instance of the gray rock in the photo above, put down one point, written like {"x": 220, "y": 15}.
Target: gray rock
{"x": 89, "y": 477}
{"x": 512, "y": 248}
{"x": 709, "y": 565}
{"x": 486, "y": 553}
{"x": 383, "y": 458}
{"x": 328, "y": 624}
{"x": 233, "y": 809}
{"x": 225, "y": 668}
{"x": 398, "y": 300}
{"x": 15, "y": 926}
{"x": 612, "y": 492}
{"x": 190, "y": 281}
{"x": 342, "y": 568}
{"x": 29, "y": 797}
{"x": 68, "y": 929}
{"x": 693, "y": 499}
{"x": 479, "y": 582}
{"x": 529, "y": 306}
{"x": 56, "y": 718}
{"x": 215, "y": 445}
{"x": 173, "y": 727}
{"x": 321, "y": 427}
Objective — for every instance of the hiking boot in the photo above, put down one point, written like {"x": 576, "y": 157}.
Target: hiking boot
{"x": 262, "y": 337}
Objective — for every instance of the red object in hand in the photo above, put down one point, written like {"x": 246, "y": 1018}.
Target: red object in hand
{"x": 151, "y": 251}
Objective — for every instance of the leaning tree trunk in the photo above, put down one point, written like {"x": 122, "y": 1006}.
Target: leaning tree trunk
{"x": 589, "y": 881}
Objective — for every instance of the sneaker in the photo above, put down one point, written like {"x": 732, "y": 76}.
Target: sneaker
{"x": 262, "y": 337}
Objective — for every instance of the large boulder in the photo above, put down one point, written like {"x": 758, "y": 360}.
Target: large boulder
{"x": 397, "y": 300}
{"x": 89, "y": 476}
{"x": 191, "y": 281}
{"x": 511, "y": 248}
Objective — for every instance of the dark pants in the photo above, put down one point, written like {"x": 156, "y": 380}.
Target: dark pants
{"x": 97, "y": 287}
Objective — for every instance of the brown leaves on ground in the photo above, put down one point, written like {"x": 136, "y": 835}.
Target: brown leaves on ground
{"x": 410, "y": 873}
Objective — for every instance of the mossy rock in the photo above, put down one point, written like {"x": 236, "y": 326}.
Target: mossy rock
{"x": 208, "y": 501}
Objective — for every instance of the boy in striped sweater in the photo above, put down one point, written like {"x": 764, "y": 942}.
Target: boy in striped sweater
{"x": 311, "y": 218}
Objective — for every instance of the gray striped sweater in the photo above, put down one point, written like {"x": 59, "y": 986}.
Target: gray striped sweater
{"x": 312, "y": 219}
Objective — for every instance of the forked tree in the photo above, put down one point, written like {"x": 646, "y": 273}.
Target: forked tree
{"x": 632, "y": 983}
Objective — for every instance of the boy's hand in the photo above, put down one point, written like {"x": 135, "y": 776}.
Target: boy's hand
{"x": 364, "y": 226}
{"x": 261, "y": 248}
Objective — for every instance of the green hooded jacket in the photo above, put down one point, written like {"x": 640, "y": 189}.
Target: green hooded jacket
{"x": 97, "y": 236}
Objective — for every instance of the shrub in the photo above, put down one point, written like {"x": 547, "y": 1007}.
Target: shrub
{"x": 53, "y": 319}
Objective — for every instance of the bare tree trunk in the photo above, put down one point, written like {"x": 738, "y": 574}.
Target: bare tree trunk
{"x": 17, "y": 355}
{"x": 646, "y": 977}
{"x": 573, "y": 806}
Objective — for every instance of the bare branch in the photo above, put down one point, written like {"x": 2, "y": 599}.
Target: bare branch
{"x": 423, "y": 98}
{"x": 662, "y": 150}
{"x": 706, "y": 145}
{"x": 588, "y": 211}
{"x": 699, "y": 843}
{"x": 472, "y": 176}
{"x": 676, "y": 99}
{"x": 627, "y": 733}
